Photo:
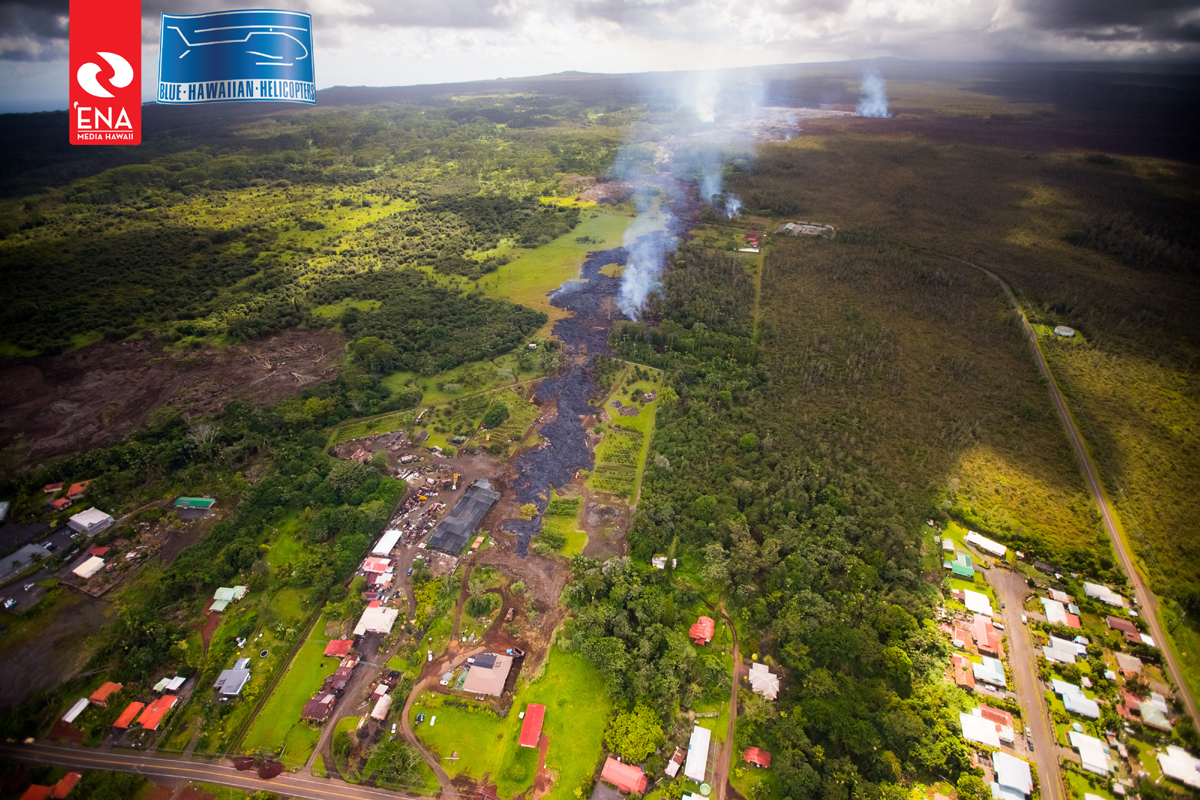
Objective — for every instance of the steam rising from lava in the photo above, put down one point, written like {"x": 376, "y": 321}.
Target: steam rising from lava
{"x": 874, "y": 100}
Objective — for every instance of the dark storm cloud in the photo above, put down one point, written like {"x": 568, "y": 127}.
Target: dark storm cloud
{"x": 32, "y": 31}
{"x": 1117, "y": 20}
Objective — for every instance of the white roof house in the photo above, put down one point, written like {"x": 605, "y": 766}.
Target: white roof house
{"x": 696, "y": 765}
{"x": 1056, "y": 612}
{"x": 90, "y": 522}
{"x": 1103, "y": 594}
{"x": 978, "y": 729}
{"x": 1075, "y": 700}
{"x": 75, "y": 710}
{"x": 1180, "y": 765}
{"x": 985, "y": 544}
{"x": 386, "y": 543}
{"x": 230, "y": 593}
{"x": 89, "y": 568}
{"x": 763, "y": 682}
{"x": 381, "y": 708}
{"x": 1060, "y": 596}
{"x": 1093, "y": 753}
{"x": 1127, "y": 662}
{"x": 379, "y": 619}
{"x": 977, "y": 603}
{"x": 1012, "y": 773}
{"x": 990, "y": 671}
{"x": 1052, "y": 653}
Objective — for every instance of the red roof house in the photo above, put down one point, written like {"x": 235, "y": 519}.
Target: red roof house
{"x": 98, "y": 551}
{"x": 964, "y": 675}
{"x": 36, "y": 792}
{"x": 531, "y": 726}
{"x": 77, "y": 489}
{"x": 1132, "y": 634}
{"x": 338, "y": 647}
{"x": 52, "y": 488}
{"x": 986, "y": 638}
{"x": 101, "y": 695}
{"x": 702, "y": 631}
{"x": 64, "y": 787}
{"x": 373, "y": 564}
{"x": 759, "y": 758}
{"x": 154, "y": 712}
{"x": 996, "y": 715}
{"x": 626, "y": 777}
{"x": 61, "y": 504}
{"x": 127, "y": 716}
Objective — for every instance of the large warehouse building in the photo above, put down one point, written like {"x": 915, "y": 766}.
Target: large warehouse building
{"x": 452, "y": 535}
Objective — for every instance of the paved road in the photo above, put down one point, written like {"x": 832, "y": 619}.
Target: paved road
{"x": 179, "y": 769}
{"x": 1011, "y": 589}
{"x": 1146, "y": 599}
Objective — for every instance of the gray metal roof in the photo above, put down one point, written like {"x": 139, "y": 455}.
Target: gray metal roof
{"x": 453, "y": 533}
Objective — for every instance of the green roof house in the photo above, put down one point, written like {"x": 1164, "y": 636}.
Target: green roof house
{"x": 195, "y": 502}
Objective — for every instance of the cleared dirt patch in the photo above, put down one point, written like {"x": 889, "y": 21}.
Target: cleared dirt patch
{"x": 97, "y": 395}
{"x": 55, "y": 655}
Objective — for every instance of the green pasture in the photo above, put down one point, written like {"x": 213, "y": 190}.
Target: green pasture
{"x": 279, "y": 721}
{"x": 577, "y": 711}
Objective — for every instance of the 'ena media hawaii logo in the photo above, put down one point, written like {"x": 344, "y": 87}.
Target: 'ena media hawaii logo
{"x": 106, "y": 61}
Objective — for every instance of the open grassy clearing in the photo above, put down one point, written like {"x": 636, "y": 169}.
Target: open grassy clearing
{"x": 577, "y": 709}
{"x": 625, "y": 443}
{"x": 279, "y": 721}
{"x": 528, "y": 279}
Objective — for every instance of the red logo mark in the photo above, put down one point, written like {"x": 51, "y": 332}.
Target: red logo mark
{"x": 106, "y": 71}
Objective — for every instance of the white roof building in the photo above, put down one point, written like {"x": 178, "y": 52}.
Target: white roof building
{"x": 1093, "y": 753}
{"x": 1063, "y": 651}
{"x": 89, "y": 568}
{"x": 763, "y": 682}
{"x": 978, "y": 729}
{"x": 379, "y": 619}
{"x": 696, "y": 765}
{"x": 1180, "y": 765}
{"x": 1012, "y": 773}
{"x": 985, "y": 544}
{"x": 1056, "y": 612}
{"x": 1060, "y": 596}
{"x": 977, "y": 603}
{"x": 1075, "y": 700}
{"x": 382, "y": 707}
{"x": 75, "y": 710}
{"x": 386, "y": 543}
{"x": 990, "y": 671}
{"x": 90, "y": 522}
{"x": 1103, "y": 594}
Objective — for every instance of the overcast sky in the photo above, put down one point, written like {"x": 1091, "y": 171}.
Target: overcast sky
{"x": 397, "y": 42}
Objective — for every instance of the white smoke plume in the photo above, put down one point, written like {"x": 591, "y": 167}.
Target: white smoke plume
{"x": 733, "y": 205}
{"x": 647, "y": 256}
{"x": 873, "y": 102}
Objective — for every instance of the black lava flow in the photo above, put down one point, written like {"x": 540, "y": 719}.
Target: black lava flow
{"x": 585, "y": 333}
{"x": 565, "y": 449}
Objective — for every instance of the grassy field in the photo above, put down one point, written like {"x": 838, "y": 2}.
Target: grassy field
{"x": 529, "y": 278}
{"x": 279, "y": 721}
{"x": 621, "y": 453}
{"x": 577, "y": 708}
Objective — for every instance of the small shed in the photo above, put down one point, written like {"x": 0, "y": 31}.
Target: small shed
{"x": 531, "y": 726}
{"x": 757, "y": 757}
{"x": 1064, "y": 331}
{"x": 203, "y": 503}
{"x": 75, "y": 710}
{"x": 382, "y": 707}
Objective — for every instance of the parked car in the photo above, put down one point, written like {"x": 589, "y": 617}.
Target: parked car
{"x": 29, "y": 586}
{"x": 9, "y": 602}
{"x": 1030, "y": 741}
{"x": 1024, "y": 619}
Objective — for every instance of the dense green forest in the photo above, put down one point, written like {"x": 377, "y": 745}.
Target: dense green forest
{"x": 236, "y": 235}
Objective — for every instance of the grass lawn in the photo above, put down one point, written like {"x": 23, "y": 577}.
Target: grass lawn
{"x": 279, "y": 723}
{"x": 218, "y": 792}
{"x": 1083, "y": 784}
{"x": 318, "y": 767}
{"x": 577, "y": 711}
{"x": 335, "y": 310}
{"x": 529, "y": 278}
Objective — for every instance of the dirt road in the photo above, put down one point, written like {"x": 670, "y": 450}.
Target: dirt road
{"x": 1145, "y": 598}
{"x": 1011, "y": 589}
{"x": 721, "y": 768}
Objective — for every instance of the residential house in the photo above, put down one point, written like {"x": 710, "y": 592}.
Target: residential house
{"x": 626, "y": 777}
{"x": 702, "y": 632}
